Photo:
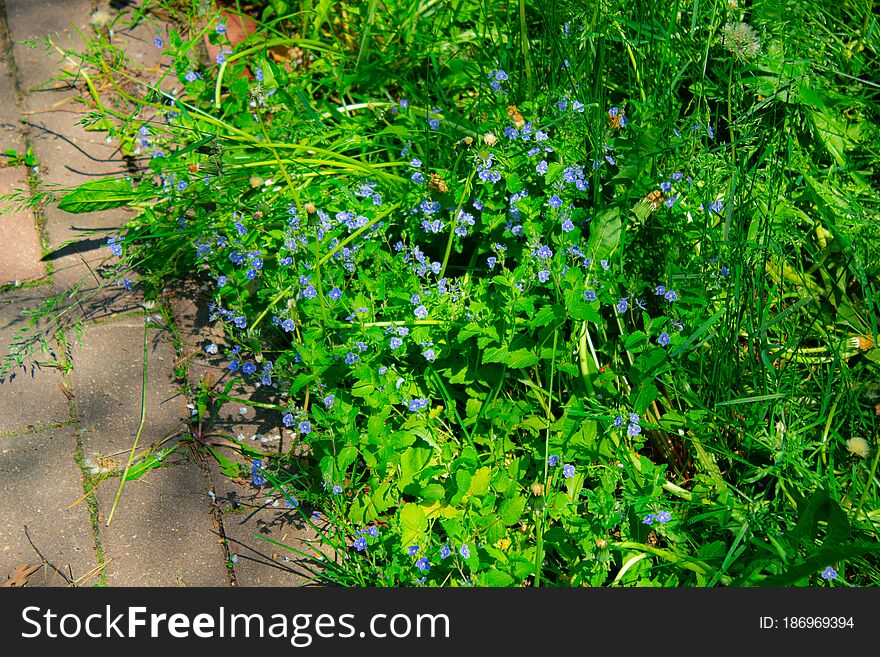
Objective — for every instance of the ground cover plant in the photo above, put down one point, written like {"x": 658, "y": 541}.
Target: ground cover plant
{"x": 551, "y": 293}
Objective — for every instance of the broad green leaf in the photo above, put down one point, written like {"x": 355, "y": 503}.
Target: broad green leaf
{"x": 103, "y": 194}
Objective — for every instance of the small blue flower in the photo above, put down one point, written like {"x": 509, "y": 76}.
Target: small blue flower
{"x": 829, "y": 574}
{"x": 360, "y": 544}
{"x": 373, "y": 531}
{"x": 554, "y": 201}
{"x": 351, "y": 358}
{"x": 157, "y": 41}
{"x": 249, "y": 368}
{"x": 541, "y": 167}
{"x": 568, "y": 470}
{"x": 305, "y": 427}
{"x": 670, "y": 295}
{"x": 434, "y": 124}
{"x": 395, "y": 342}
{"x": 622, "y": 305}
{"x": 633, "y": 430}
{"x": 221, "y": 280}
{"x": 590, "y": 296}
{"x": 663, "y": 517}
{"x": 288, "y": 325}
{"x": 444, "y": 551}
{"x": 421, "y": 312}
{"x": 648, "y": 519}
{"x": 412, "y": 550}
{"x": 552, "y": 460}
{"x": 240, "y": 321}
{"x": 567, "y": 225}
{"x": 465, "y": 551}
{"x": 423, "y": 564}
{"x": 618, "y": 421}
{"x": 288, "y": 420}
{"x": 660, "y": 290}
{"x": 335, "y": 293}
{"x": 337, "y": 490}
{"x": 663, "y": 340}
{"x": 233, "y": 365}
{"x": 544, "y": 275}
{"x": 328, "y": 401}
{"x": 221, "y": 28}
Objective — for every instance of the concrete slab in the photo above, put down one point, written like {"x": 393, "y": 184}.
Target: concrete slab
{"x": 250, "y": 513}
{"x": 163, "y": 532}
{"x": 32, "y": 395}
{"x": 107, "y": 379}
{"x": 39, "y": 481}
{"x": 17, "y": 226}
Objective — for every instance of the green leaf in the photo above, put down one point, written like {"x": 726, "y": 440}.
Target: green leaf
{"x": 413, "y": 524}
{"x": 511, "y": 510}
{"x": 103, "y": 194}
{"x": 521, "y": 358}
{"x": 412, "y": 462}
{"x": 480, "y": 482}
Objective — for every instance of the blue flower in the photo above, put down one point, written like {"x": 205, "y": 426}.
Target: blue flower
{"x": 829, "y": 573}
{"x": 240, "y": 321}
{"x": 157, "y": 41}
{"x": 360, "y": 544}
{"x": 543, "y": 252}
{"x": 554, "y": 201}
{"x": 423, "y": 564}
{"x": 666, "y": 187}
{"x": 648, "y": 519}
{"x": 444, "y": 551}
{"x": 622, "y": 305}
{"x": 660, "y": 290}
{"x": 351, "y": 358}
{"x": 337, "y": 489}
{"x": 663, "y": 517}
{"x": 429, "y": 355}
{"x": 542, "y": 167}
{"x": 421, "y": 312}
{"x": 249, "y": 368}
{"x": 465, "y": 551}
{"x": 663, "y": 340}
{"x": 417, "y": 178}
{"x": 544, "y": 275}
{"x": 221, "y": 28}
{"x": 192, "y": 76}
{"x": 395, "y": 342}
{"x": 373, "y": 531}
{"x": 310, "y": 292}
{"x": 305, "y": 427}
{"x": 434, "y": 124}
{"x": 233, "y": 365}
{"x": 618, "y": 421}
{"x": 567, "y": 226}
{"x": 491, "y": 261}
{"x": 670, "y": 295}
{"x": 568, "y": 470}
{"x": 412, "y": 550}
{"x": 633, "y": 429}
{"x": 552, "y": 460}
{"x": 288, "y": 420}
{"x": 590, "y": 296}
{"x": 288, "y": 325}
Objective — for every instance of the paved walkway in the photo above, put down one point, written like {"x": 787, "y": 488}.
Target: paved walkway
{"x": 184, "y": 524}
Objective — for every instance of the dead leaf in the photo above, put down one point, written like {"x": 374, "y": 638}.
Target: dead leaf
{"x": 19, "y": 576}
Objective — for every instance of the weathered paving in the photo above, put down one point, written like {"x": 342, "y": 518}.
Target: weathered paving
{"x": 74, "y": 410}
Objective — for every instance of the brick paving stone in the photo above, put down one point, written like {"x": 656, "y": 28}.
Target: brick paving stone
{"x": 33, "y": 397}
{"x": 18, "y": 227}
{"x": 248, "y": 511}
{"x": 107, "y": 377}
{"x": 40, "y": 480}
{"x": 163, "y": 531}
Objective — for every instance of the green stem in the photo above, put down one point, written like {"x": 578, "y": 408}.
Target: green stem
{"x": 142, "y": 422}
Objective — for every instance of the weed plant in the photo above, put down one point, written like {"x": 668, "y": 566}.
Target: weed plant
{"x": 576, "y": 293}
